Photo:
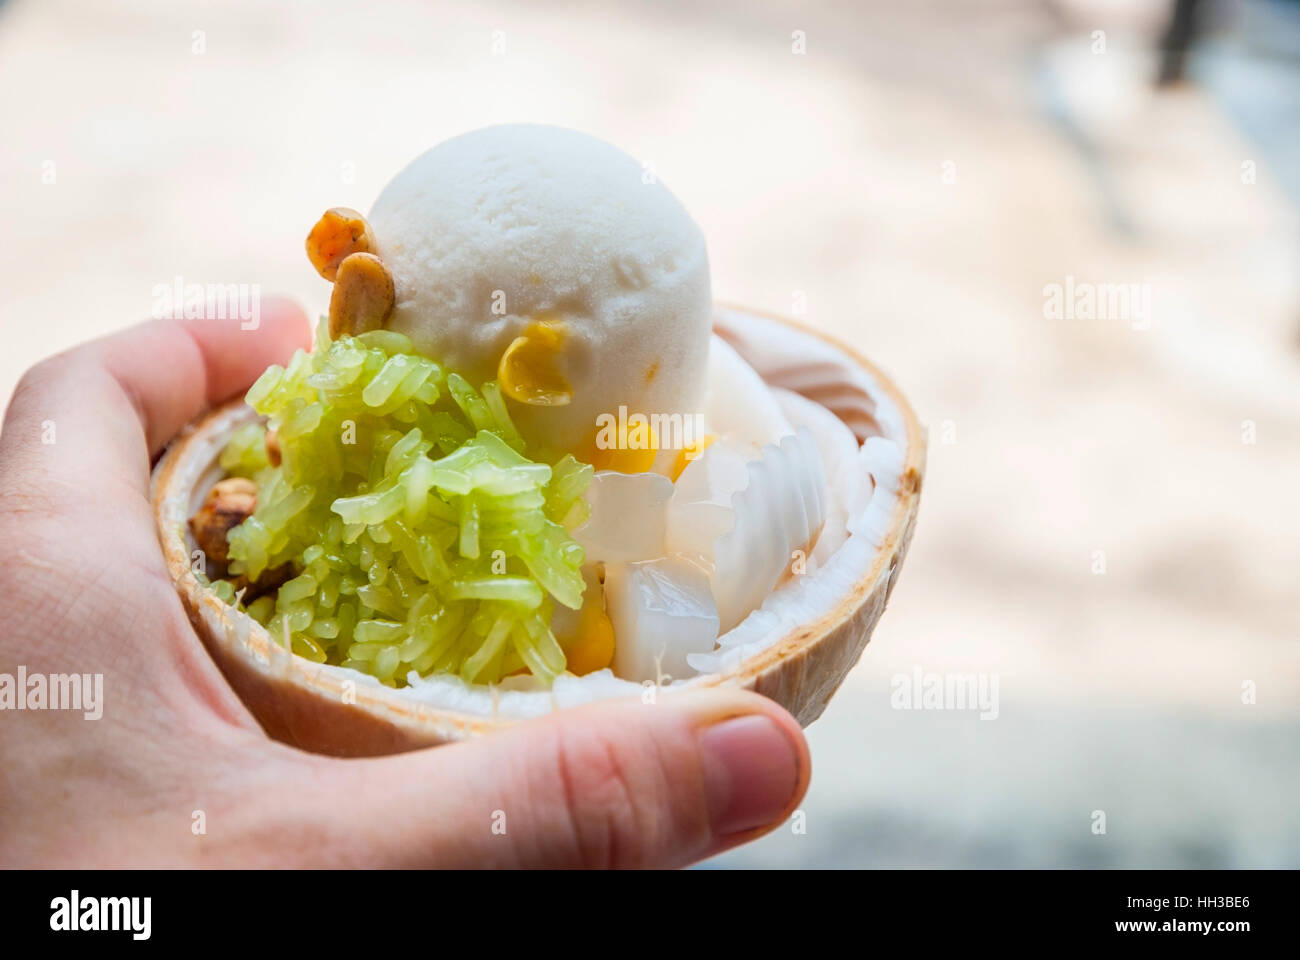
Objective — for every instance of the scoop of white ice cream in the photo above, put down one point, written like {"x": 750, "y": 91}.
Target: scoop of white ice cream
{"x": 498, "y": 231}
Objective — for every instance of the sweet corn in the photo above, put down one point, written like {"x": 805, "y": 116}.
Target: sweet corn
{"x": 691, "y": 452}
{"x": 529, "y": 370}
{"x": 593, "y": 647}
{"x": 633, "y": 450}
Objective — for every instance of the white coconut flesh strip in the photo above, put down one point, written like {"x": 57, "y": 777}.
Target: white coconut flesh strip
{"x": 628, "y": 516}
{"x": 700, "y": 510}
{"x": 709, "y": 507}
{"x": 664, "y": 611}
{"x": 746, "y": 533}
{"x": 849, "y": 487}
{"x": 808, "y": 597}
{"x": 784, "y": 357}
{"x": 738, "y": 404}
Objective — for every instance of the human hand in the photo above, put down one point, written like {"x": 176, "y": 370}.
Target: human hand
{"x": 84, "y": 590}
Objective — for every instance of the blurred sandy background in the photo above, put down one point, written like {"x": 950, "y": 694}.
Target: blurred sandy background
{"x": 917, "y": 177}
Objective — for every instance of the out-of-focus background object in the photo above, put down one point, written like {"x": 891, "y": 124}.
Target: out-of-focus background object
{"x": 1111, "y": 526}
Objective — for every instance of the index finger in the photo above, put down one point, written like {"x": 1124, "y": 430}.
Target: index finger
{"x": 101, "y": 410}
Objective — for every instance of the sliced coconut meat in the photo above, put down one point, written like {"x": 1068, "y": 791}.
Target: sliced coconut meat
{"x": 628, "y": 516}
{"x": 804, "y": 599}
{"x": 700, "y": 510}
{"x": 747, "y": 511}
{"x": 662, "y": 611}
{"x": 882, "y": 459}
{"x": 748, "y": 533}
{"x": 739, "y": 405}
{"x": 848, "y": 484}
{"x": 778, "y": 515}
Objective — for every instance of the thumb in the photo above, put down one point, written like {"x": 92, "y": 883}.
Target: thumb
{"x": 615, "y": 784}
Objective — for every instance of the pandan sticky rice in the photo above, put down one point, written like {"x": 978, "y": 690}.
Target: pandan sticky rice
{"x": 420, "y": 534}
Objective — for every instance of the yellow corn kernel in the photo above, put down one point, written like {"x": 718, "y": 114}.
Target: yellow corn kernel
{"x": 593, "y": 648}
{"x": 529, "y": 370}
{"x": 629, "y": 448}
{"x": 691, "y": 452}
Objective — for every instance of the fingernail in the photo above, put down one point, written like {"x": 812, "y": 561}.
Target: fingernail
{"x": 751, "y": 771}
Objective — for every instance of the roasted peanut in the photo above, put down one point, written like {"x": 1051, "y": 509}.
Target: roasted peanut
{"x": 337, "y": 235}
{"x": 229, "y": 503}
{"x": 363, "y": 295}
{"x": 270, "y": 581}
{"x": 273, "y": 448}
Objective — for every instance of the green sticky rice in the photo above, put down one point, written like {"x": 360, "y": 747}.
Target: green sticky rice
{"x": 420, "y": 535}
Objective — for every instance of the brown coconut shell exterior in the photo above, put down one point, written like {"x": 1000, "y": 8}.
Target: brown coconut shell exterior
{"x": 319, "y": 709}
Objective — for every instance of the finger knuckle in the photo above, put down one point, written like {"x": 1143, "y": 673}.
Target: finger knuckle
{"x": 37, "y": 378}
{"x": 610, "y": 804}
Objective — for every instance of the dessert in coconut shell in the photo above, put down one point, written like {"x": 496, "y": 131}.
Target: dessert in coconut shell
{"x": 529, "y": 464}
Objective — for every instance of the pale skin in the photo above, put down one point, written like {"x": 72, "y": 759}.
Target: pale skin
{"x": 83, "y": 589}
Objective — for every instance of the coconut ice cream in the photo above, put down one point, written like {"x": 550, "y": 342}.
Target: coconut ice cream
{"x": 551, "y": 261}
